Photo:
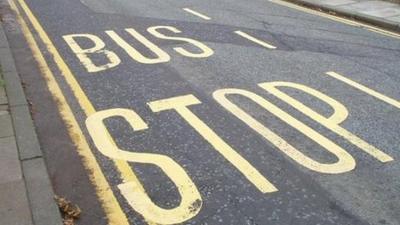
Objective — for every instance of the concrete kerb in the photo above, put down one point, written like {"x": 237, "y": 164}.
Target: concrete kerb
{"x": 375, "y": 21}
{"x": 39, "y": 190}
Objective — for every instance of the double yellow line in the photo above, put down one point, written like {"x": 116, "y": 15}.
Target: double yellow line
{"x": 104, "y": 192}
{"x": 113, "y": 210}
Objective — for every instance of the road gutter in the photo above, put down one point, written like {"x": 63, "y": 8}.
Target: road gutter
{"x": 35, "y": 195}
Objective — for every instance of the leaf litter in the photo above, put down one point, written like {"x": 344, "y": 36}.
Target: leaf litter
{"x": 70, "y": 211}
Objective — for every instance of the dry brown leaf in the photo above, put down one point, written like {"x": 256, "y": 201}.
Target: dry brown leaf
{"x": 69, "y": 211}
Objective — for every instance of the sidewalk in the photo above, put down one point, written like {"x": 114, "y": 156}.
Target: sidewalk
{"x": 379, "y": 13}
{"x": 26, "y": 195}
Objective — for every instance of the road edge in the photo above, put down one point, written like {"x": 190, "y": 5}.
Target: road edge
{"x": 35, "y": 175}
{"x": 371, "y": 20}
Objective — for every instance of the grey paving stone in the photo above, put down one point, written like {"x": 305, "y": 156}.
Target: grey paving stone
{"x": 383, "y": 13}
{"x": 338, "y": 2}
{"x": 379, "y": 13}
{"x": 5, "y": 124}
{"x": 14, "y": 206}
{"x": 10, "y": 168}
{"x": 3, "y": 39}
{"x": 28, "y": 145}
{"x": 41, "y": 196}
{"x": 15, "y": 93}
{"x": 370, "y": 5}
{"x": 395, "y": 19}
{"x": 17, "y": 201}
{"x": 3, "y": 97}
{"x": 7, "y": 60}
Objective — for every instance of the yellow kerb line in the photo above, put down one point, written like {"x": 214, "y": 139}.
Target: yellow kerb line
{"x": 384, "y": 32}
{"x": 337, "y": 18}
{"x": 253, "y": 39}
{"x": 112, "y": 208}
{"x": 365, "y": 89}
{"x": 197, "y": 13}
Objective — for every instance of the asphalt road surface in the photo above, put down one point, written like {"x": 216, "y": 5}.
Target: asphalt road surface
{"x": 212, "y": 112}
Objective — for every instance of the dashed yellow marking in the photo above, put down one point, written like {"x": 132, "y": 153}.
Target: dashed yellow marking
{"x": 191, "y": 11}
{"x": 338, "y": 19}
{"x": 365, "y": 89}
{"x": 113, "y": 211}
{"x": 253, "y": 39}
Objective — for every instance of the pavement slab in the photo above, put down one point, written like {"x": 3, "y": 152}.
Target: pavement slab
{"x": 395, "y": 19}
{"x": 14, "y": 90}
{"x": 382, "y": 13}
{"x": 14, "y": 206}
{"x": 3, "y": 97}
{"x": 379, "y": 13}
{"x": 25, "y": 133}
{"x": 5, "y": 124}
{"x": 339, "y": 2}
{"x": 26, "y": 195}
{"x": 370, "y": 5}
{"x": 10, "y": 167}
{"x": 39, "y": 187}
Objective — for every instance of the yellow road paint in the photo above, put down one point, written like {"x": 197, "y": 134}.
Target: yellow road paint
{"x": 98, "y": 48}
{"x": 384, "y": 32}
{"x": 131, "y": 188}
{"x": 191, "y": 201}
{"x": 345, "y": 162}
{"x": 365, "y": 89}
{"x": 106, "y": 197}
{"x": 162, "y": 56}
{"x": 112, "y": 209}
{"x": 332, "y": 123}
{"x": 338, "y": 19}
{"x": 197, "y": 13}
{"x": 180, "y": 105}
{"x": 253, "y": 39}
{"x": 205, "y": 51}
